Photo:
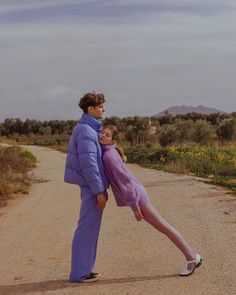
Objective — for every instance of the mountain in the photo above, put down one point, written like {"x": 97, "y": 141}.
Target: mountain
{"x": 176, "y": 110}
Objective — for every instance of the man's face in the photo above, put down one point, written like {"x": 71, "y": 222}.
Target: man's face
{"x": 97, "y": 112}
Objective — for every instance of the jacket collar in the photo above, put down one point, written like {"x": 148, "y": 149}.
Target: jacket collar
{"x": 108, "y": 147}
{"x": 91, "y": 121}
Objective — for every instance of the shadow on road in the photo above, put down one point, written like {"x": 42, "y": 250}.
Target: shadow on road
{"x": 61, "y": 284}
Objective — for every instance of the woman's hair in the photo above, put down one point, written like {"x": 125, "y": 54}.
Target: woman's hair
{"x": 115, "y": 136}
{"x": 91, "y": 99}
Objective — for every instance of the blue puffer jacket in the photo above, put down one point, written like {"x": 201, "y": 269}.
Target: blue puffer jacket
{"x": 84, "y": 165}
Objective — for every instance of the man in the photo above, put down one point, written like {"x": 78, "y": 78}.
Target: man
{"x": 84, "y": 167}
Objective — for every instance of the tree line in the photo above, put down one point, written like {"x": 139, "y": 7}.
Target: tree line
{"x": 138, "y": 130}
{"x": 15, "y": 126}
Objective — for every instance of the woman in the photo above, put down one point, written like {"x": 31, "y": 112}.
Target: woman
{"x": 128, "y": 191}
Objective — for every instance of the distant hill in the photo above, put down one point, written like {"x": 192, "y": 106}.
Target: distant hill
{"x": 176, "y": 110}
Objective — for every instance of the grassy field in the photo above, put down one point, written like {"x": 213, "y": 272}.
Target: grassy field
{"x": 215, "y": 163}
{"x": 15, "y": 165}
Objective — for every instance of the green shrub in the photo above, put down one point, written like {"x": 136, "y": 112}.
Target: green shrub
{"x": 169, "y": 134}
{"x": 200, "y": 160}
{"x": 29, "y": 157}
{"x": 202, "y": 132}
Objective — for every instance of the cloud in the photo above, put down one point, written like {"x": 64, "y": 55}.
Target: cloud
{"x": 152, "y": 55}
{"x": 7, "y": 6}
{"x": 105, "y": 10}
{"x": 58, "y": 91}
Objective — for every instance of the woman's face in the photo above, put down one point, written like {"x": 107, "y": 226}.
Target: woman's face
{"x": 105, "y": 137}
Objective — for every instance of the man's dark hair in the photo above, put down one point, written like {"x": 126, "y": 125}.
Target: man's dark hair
{"x": 91, "y": 99}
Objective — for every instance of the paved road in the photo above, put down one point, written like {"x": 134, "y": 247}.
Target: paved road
{"x": 36, "y": 232}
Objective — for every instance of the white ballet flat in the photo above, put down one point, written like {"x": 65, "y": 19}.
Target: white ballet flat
{"x": 198, "y": 261}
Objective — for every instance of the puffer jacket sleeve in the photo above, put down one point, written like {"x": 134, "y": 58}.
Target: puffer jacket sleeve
{"x": 118, "y": 173}
{"x": 88, "y": 158}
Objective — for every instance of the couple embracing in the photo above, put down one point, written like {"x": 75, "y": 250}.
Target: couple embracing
{"x": 94, "y": 161}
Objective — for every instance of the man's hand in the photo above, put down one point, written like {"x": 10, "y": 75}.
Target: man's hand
{"x": 101, "y": 201}
{"x": 138, "y": 215}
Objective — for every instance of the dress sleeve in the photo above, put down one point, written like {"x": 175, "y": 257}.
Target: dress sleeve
{"x": 119, "y": 174}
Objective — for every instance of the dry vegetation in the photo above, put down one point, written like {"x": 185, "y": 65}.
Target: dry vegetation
{"x": 15, "y": 165}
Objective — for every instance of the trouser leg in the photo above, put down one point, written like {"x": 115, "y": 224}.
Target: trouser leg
{"x": 84, "y": 244}
{"x": 156, "y": 220}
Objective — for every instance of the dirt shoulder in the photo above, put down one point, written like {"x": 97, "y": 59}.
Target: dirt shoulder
{"x": 36, "y": 232}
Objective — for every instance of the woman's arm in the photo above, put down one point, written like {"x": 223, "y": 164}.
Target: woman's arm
{"x": 118, "y": 174}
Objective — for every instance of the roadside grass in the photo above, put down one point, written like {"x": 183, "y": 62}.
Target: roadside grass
{"x": 217, "y": 164}
{"x": 57, "y": 141}
{"x": 15, "y": 179}
{"x": 227, "y": 182}
{"x": 7, "y": 140}
{"x": 37, "y": 139}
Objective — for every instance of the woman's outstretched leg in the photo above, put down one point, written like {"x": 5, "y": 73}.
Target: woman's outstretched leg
{"x": 152, "y": 216}
{"x": 194, "y": 260}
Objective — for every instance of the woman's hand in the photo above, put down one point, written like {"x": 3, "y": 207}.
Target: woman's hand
{"x": 138, "y": 215}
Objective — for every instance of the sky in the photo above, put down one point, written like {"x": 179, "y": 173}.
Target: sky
{"x": 145, "y": 56}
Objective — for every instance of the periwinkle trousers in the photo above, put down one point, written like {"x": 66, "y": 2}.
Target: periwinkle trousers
{"x": 84, "y": 244}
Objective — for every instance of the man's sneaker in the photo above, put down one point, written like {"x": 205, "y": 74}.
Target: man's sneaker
{"x": 96, "y": 274}
{"x": 91, "y": 278}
